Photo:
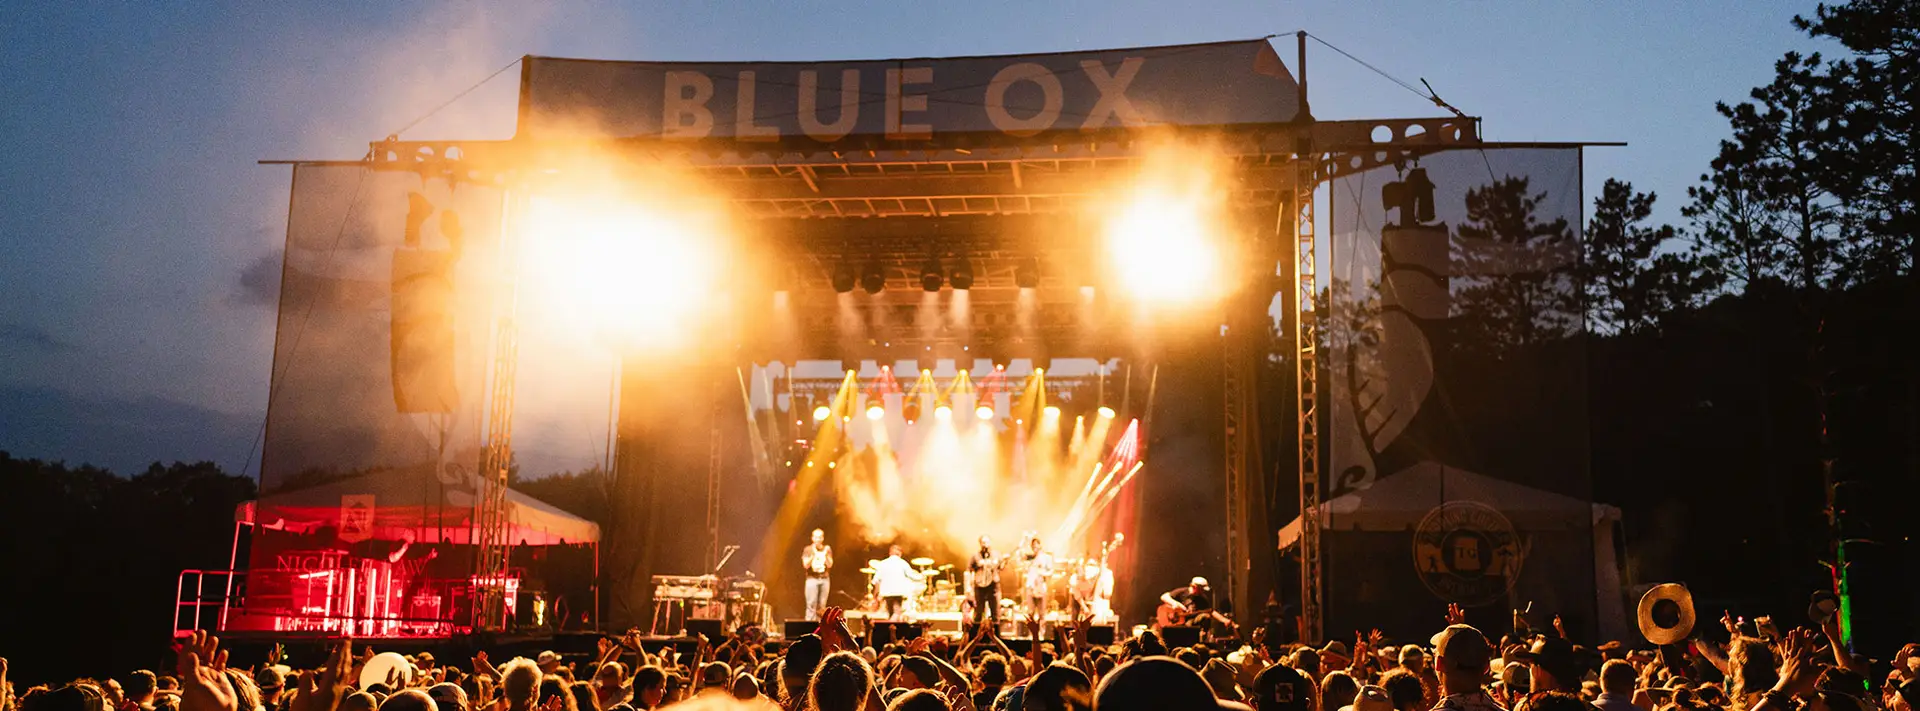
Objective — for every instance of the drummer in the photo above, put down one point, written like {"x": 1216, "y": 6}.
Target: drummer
{"x": 895, "y": 580}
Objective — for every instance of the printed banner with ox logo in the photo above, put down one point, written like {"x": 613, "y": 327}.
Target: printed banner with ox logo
{"x": 356, "y": 517}
{"x": 1222, "y": 83}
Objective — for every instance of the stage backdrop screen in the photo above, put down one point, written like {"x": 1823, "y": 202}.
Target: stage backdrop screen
{"x": 1457, "y": 398}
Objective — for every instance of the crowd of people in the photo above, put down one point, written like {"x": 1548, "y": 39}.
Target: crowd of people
{"x": 1461, "y": 668}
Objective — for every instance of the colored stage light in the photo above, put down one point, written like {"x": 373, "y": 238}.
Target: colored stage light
{"x": 983, "y": 412}
{"x": 622, "y": 268}
{"x": 1051, "y": 411}
{"x": 911, "y": 409}
{"x": 875, "y": 411}
{"x": 1162, "y": 241}
{"x": 943, "y": 413}
{"x": 1106, "y": 412}
{"x": 821, "y": 413}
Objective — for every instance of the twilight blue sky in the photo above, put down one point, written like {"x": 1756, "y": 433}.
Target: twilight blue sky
{"x": 140, "y": 237}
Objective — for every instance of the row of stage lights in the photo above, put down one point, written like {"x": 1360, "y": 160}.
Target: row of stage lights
{"x": 942, "y": 411}
{"x": 873, "y": 276}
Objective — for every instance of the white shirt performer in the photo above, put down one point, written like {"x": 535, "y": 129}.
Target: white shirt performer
{"x": 817, "y": 560}
{"x": 896, "y": 580}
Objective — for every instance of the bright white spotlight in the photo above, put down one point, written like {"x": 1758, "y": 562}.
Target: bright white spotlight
{"x": 640, "y": 273}
{"x": 943, "y": 412}
{"x": 1051, "y": 411}
{"x": 1161, "y": 248}
{"x": 983, "y": 412}
{"x": 875, "y": 411}
{"x": 1106, "y": 412}
{"x": 821, "y": 413}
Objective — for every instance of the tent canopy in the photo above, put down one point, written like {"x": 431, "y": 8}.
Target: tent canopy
{"x": 1399, "y": 501}
{"x": 429, "y": 508}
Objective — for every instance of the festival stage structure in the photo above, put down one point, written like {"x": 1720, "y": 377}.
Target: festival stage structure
{"x": 968, "y": 223}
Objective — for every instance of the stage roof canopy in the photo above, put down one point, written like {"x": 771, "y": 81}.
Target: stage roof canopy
{"x": 432, "y": 510}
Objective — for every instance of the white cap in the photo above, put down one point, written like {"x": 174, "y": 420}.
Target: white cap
{"x": 1199, "y": 582}
{"x": 547, "y": 657}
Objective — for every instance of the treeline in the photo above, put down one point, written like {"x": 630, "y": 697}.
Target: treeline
{"x": 93, "y": 558}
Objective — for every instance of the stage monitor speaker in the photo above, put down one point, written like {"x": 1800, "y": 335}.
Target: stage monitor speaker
{"x": 888, "y": 632}
{"x": 795, "y": 629}
{"x": 713, "y": 629}
{"x": 1100, "y": 634}
{"x": 1179, "y": 636}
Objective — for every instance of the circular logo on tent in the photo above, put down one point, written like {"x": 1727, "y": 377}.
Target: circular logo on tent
{"x": 1467, "y": 552}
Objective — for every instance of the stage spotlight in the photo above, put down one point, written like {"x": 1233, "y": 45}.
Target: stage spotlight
{"x": 873, "y": 278}
{"x": 930, "y": 275}
{"x": 1051, "y": 411}
{"x": 962, "y": 276}
{"x": 984, "y": 412}
{"x": 821, "y": 413}
{"x": 876, "y": 411}
{"x": 1106, "y": 411}
{"x": 911, "y": 409}
{"x": 1027, "y": 275}
{"x": 843, "y": 279}
{"x": 942, "y": 412}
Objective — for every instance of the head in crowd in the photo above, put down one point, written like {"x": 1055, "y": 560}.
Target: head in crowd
{"x": 244, "y": 690}
{"x": 609, "y": 686}
{"x": 918, "y": 673}
{"x": 649, "y": 687}
{"x": 1403, "y": 689}
{"x": 745, "y": 687}
{"x": 72, "y": 697}
{"x": 992, "y": 671}
{"x": 553, "y": 687}
{"x": 842, "y": 683}
{"x": 1556, "y": 701}
{"x": 797, "y": 667}
{"x": 1188, "y": 656}
{"x": 1153, "y": 683}
{"x": 1337, "y": 690}
{"x": 139, "y": 687}
{"x": 519, "y": 683}
{"x": 1618, "y": 677}
{"x": 1751, "y": 667}
{"x": 359, "y": 701}
{"x": 715, "y": 675}
{"x": 1058, "y": 688}
{"x": 408, "y": 700}
{"x": 1307, "y": 660}
{"x": 448, "y": 696}
{"x": 1220, "y": 676}
{"x": 1283, "y": 688}
{"x": 1551, "y": 665}
{"x": 1461, "y": 655}
{"x": 918, "y": 700}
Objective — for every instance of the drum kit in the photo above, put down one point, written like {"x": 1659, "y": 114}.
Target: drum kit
{"x": 937, "y": 590}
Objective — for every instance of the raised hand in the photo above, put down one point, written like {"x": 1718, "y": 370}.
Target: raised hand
{"x": 1728, "y": 621}
{"x": 1456, "y": 615}
{"x": 917, "y": 645}
{"x": 324, "y": 691}
{"x": 1798, "y": 673}
{"x": 554, "y": 703}
{"x": 1560, "y": 626}
{"x": 203, "y": 676}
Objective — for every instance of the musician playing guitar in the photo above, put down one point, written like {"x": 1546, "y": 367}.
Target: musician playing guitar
{"x": 1187, "y": 605}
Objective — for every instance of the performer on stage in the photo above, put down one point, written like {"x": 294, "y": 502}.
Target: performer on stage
{"x": 1036, "y": 571}
{"x": 896, "y": 580}
{"x": 983, "y": 584}
{"x": 817, "y": 560}
{"x": 1188, "y": 605}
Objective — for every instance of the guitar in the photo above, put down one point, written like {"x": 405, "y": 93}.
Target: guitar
{"x": 1169, "y": 616}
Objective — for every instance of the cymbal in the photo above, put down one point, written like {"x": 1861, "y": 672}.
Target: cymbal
{"x": 921, "y": 562}
{"x": 873, "y": 563}
{"x": 868, "y": 571}
{"x": 948, "y": 566}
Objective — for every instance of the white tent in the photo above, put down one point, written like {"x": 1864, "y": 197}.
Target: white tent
{"x": 1398, "y": 503}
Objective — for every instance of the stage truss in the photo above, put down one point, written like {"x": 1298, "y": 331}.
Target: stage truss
{"x": 1277, "y": 167}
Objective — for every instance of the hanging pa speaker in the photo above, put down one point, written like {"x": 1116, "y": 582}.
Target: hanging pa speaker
{"x": 421, "y": 335}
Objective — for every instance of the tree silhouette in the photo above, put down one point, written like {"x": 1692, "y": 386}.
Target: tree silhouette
{"x": 1632, "y": 283}
{"x": 1514, "y": 283}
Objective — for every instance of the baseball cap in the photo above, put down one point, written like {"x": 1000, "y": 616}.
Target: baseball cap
{"x": 1463, "y": 646}
{"x": 1282, "y": 688}
{"x": 1198, "y": 582}
{"x": 1370, "y": 698}
{"x": 547, "y": 658}
{"x": 268, "y": 678}
{"x": 715, "y": 674}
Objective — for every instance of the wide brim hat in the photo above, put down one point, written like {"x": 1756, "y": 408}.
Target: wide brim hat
{"x": 1666, "y": 613}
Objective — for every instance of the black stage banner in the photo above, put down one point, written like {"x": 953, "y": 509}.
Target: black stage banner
{"x": 1020, "y": 95}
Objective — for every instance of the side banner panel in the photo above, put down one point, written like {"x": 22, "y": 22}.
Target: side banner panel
{"x": 337, "y": 408}
{"x": 1457, "y": 395}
